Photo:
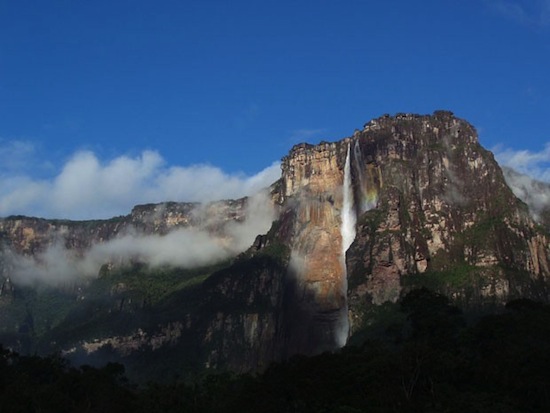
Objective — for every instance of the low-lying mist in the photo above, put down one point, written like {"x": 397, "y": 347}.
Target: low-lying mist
{"x": 535, "y": 194}
{"x": 183, "y": 247}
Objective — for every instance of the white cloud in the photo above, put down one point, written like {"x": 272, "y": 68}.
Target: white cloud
{"x": 526, "y": 173}
{"x": 534, "y": 164}
{"x": 184, "y": 247}
{"x": 534, "y": 193}
{"x": 87, "y": 187}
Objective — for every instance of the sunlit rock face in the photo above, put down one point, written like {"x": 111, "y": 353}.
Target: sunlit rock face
{"x": 428, "y": 204}
{"x": 288, "y": 291}
{"x": 313, "y": 188}
{"x": 431, "y": 205}
{"x": 325, "y": 186}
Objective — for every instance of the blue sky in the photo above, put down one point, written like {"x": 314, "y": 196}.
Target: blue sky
{"x": 105, "y": 104}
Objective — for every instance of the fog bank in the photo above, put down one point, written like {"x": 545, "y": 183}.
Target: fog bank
{"x": 183, "y": 247}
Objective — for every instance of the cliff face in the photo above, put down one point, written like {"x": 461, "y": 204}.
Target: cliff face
{"x": 444, "y": 213}
{"x": 30, "y": 236}
{"x": 70, "y": 285}
{"x": 408, "y": 201}
{"x": 431, "y": 207}
{"x": 312, "y": 189}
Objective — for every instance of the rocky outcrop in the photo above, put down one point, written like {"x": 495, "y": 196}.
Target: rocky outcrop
{"x": 431, "y": 206}
{"x": 444, "y": 215}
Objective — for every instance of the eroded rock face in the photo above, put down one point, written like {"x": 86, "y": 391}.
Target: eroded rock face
{"x": 313, "y": 178}
{"x": 429, "y": 201}
{"x": 442, "y": 204}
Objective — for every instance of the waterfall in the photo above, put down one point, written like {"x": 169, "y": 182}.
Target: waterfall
{"x": 347, "y": 230}
{"x": 349, "y": 217}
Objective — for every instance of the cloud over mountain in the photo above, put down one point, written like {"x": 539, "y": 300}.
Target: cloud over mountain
{"x": 87, "y": 187}
{"x": 527, "y": 173}
{"x": 183, "y": 247}
{"x": 534, "y": 164}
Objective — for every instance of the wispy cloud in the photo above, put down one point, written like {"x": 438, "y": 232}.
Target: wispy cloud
{"x": 525, "y": 172}
{"x": 534, "y": 164}
{"x": 535, "y": 194}
{"x": 88, "y": 187}
{"x": 534, "y": 13}
{"x": 183, "y": 247}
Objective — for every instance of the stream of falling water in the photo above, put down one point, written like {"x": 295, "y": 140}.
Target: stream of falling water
{"x": 349, "y": 218}
{"x": 347, "y": 229}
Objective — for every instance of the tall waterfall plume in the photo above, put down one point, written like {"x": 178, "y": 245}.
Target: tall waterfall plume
{"x": 349, "y": 219}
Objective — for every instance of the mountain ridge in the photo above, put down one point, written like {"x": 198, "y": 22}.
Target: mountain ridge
{"x": 423, "y": 203}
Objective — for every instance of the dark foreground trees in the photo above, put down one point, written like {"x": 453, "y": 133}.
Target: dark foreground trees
{"x": 50, "y": 384}
{"x": 437, "y": 364}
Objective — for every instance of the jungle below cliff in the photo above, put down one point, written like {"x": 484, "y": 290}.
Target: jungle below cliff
{"x": 429, "y": 360}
